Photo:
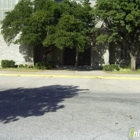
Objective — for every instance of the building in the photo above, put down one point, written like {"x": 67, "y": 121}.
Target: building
{"x": 13, "y": 52}
{"x": 95, "y": 57}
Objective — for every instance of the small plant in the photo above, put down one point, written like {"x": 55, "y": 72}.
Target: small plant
{"x": 30, "y": 66}
{"x": 26, "y": 66}
{"x": 115, "y": 67}
{"x": 111, "y": 67}
{"x": 21, "y": 66}
{"x": 43, "y": 65}
{"x": 126, "y": 66}
{"x": 8, "y": 63}
{"x": 106, "y": 68}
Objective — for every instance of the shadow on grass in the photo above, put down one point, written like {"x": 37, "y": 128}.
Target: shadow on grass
{"x": 24, "y": 102}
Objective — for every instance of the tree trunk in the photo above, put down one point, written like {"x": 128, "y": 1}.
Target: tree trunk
{"x": 92, "y": 59}
{"x": 77, "y": 57}
{"x": 133, "y": 62}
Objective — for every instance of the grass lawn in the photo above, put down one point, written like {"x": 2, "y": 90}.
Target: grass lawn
{"x": 125, "y": 71}
{"x": 122, "y": 71}
{"x": 21, "y": 69}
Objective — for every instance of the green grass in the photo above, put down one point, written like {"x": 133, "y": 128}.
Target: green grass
{"x": 125, "y": 71}
{"x": 21, "y": 69}
{"x": 122, "y": 71}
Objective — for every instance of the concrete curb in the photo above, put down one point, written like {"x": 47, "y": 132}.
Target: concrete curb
{"x": 74, "y": 76}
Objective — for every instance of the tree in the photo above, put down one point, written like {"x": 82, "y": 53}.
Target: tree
{"x": 16, "y": 20}
{"x": 41, "y": 24}
{"x": 73, "y": 27}
{"x": 28, "y": 23}
{"x": 48, "y": 24}
{"x": 121, "y": 18}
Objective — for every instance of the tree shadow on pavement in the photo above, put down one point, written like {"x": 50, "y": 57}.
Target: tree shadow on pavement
{"x": 26, "y": 102}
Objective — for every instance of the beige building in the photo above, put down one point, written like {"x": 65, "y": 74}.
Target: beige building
{"x": 21, "y": 55}
{"x": 95, "y": 56}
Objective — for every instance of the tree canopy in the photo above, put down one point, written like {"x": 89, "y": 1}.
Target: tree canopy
{"x": 121, "y": 18}
{"x": 48, "y": 23}
{"x": 15, "y": 20}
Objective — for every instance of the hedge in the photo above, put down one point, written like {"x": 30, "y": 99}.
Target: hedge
{"x": 8, "y": 63}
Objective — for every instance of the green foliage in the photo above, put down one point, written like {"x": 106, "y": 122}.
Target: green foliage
{"x": 63, "y": 24}
{"x": 126, "y": 66}
{"x": 111, "y": 67}
{"x": 121, "y": 22}
{"x": 16, "y": 20}
{"x": 47, "y": 23}
{"x": 101, "y": 39}
{"x": 8, "y": 63}
{"x": 43, "y": 65}
{"x": 26, "y": 66}
{"x": 21, "y": 66}
{"x": 30, "y": 66}
{"x": 72, "y": 28}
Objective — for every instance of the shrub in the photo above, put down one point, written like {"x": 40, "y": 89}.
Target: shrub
{"x": 106, "y": 68}
{"x": 8, "y": 63}
{"x": 21, "y": 66}
{"x": 30, "y": 66}
{"x": 111, "y": 67}
{"x": 26, "y": 66}
{"x": 43, "y": 65}
{"x": 126, "y": 66}
{"x": 115, "y": 67}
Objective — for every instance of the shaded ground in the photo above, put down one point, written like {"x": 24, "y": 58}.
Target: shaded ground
{"x": 25, "y": 102}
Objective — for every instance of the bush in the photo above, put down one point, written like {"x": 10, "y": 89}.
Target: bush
{"x": 43, "y": 65}
{"x": 126, "y": 66}
{"x": 30, "y": 66}
{"x": 21, "y": 66}
{"x": 107, "y": 68}
{"x": 26, "y": 66}
{"x": 111, "y": 67}
{"x": 8, "y": 63}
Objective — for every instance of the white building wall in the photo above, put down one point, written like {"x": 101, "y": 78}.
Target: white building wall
{"x": 6, "y": 5}
{"x": 21, "y": 55}
{"x": 14, "y": 52}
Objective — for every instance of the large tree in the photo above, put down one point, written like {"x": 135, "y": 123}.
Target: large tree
{"x": 29, "y": 21}
{"x": 73, "y": 28}
{"x": 121, "y": 19}
{"x": 16, "y": 20}
{"x": 46, "y": 23}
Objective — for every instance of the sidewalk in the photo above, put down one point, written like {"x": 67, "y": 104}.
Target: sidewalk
{"x": 58, "y": 72}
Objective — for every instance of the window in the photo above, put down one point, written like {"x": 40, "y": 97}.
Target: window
{"x": 1, "y": 4}
{"x": 9, "y": 4}
{"x": 5, "y": 3}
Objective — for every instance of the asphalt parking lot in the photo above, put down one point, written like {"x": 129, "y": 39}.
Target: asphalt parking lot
{"x": 68, "y": 108}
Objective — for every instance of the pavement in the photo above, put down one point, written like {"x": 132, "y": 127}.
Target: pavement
{"x": 44, "y": 106}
